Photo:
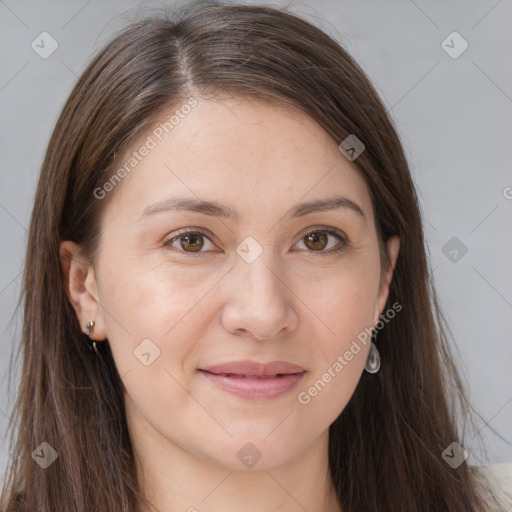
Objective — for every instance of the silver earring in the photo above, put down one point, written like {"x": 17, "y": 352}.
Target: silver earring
{"x": 373, "y": 361}
{"x": 90, "y": 327}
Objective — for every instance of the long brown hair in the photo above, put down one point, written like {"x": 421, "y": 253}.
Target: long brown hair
{"x": 385, "y": 447}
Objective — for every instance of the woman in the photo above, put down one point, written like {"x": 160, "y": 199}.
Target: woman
{"x": 227, "y": 298}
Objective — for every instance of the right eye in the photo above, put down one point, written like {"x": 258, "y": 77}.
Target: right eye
{"x": 191, "y": 242}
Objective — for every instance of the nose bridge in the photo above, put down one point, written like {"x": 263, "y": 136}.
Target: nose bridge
{"x": 258, "y": 299}
{"x": 258, "y": 269}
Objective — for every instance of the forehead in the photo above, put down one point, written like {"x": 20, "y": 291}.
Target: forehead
{"x": 245, "y": 152}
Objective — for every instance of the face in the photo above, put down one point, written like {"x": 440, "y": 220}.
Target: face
{"x": 272, "y": 282}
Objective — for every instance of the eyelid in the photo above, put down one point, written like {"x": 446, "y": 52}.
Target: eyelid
{"x": 327, "y": 229}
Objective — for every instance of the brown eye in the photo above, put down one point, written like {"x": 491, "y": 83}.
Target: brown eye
{"x": 192, "y": 242}
{"x": 317, "y": 241}
{"x": 189, "y": 242}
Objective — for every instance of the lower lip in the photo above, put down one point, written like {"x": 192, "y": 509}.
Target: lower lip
{"x": 254, "y": 388}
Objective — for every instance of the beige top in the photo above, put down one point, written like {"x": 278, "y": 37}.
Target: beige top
{"x": 500, "y": 476}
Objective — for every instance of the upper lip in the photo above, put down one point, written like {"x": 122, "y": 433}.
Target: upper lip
{"x": 253, "y": 368}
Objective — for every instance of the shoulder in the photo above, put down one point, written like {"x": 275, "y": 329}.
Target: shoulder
{"x": 500, "y": 478}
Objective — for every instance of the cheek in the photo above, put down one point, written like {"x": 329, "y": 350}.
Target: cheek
{"x": 152, "y": 329}
{"x": 151, "y": 313}
{"x": 340, "y": 348}
{"x": 341, "y": 327}
{"x": 343, "y": 297}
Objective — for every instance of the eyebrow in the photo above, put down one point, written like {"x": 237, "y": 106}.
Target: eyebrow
{"x": 216, "y": 209}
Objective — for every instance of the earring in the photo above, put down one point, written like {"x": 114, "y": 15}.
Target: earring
{"x": 90, "y": 328}
{"x": 373, "y": 361}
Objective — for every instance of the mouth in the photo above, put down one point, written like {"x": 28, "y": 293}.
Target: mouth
{"x": 248, "y": 376}
{"x": 254, "y": 369}
{"x": 255, "y": 387}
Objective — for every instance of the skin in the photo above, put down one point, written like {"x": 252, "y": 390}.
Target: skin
{"x": 290, "y": 304}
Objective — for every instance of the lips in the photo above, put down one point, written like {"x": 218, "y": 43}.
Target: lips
{"x": 255, "y": 381}
{"x": 253, "y": 369}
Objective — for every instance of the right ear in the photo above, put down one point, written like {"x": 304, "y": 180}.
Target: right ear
{"x": 81, "y": 289}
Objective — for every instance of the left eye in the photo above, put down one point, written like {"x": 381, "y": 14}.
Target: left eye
{"x": 193, "y": 241}
{"x": 320, "y": 237}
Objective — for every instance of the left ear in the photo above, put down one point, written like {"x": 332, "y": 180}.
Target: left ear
{"x": 393, "y": 247}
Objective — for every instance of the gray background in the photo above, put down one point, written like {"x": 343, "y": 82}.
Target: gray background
{"x": 454, "y": 116}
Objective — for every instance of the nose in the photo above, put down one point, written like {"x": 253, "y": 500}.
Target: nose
{"x": 260, "y": 302}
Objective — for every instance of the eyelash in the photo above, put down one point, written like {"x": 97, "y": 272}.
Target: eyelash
{"x": 329, "y": 231}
